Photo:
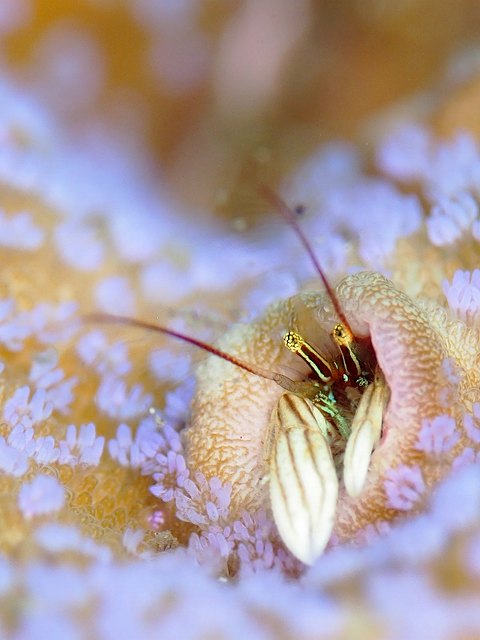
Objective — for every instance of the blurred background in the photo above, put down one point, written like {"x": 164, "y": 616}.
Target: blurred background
{"x": 224, "y": 94}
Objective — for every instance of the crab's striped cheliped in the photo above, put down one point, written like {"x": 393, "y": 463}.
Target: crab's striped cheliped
{"x": 303, "y": 479}
{"x": 324, "y": 427}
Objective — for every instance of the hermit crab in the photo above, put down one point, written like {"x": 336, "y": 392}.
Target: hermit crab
{"x": 324, "y": 420}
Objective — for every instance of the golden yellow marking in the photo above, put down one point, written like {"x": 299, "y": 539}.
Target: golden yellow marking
{"x": 344, "y": 340}
{"x": 317, "y": 363}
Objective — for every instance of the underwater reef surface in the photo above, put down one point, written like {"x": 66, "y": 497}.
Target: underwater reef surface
{"x": 131, "y": 465}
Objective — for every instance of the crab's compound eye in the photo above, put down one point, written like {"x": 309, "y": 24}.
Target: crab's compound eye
{"x": 320, "y": 366}
{"x": 293, "y": 341}
{"x": 340, "y": 334}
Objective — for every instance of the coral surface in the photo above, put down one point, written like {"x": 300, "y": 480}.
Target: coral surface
{"x": 134, "y": 479}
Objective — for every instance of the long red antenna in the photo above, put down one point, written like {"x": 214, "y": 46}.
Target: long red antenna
{"x": 281, "y": 206}
{"x": 283, "y": 381}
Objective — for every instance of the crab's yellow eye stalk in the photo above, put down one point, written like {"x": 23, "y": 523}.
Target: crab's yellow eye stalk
{"x": 345, "y": 342}
{"x": 342, "y": 335}
{"x": 317, "y": 363}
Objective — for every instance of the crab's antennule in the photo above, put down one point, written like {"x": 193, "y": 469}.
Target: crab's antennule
{"x": 281, "y": 206}
{"x": 280, "y": 379}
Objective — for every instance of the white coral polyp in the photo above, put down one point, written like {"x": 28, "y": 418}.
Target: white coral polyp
{"x": 42, "y": 495}
{"x": 463, "y": 295}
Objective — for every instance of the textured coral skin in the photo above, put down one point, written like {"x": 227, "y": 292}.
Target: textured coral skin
{"x": 231, "y": 411}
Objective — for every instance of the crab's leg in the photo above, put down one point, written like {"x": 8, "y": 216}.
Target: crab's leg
{"x": 303, "y": 480}
{"x": 365, "y": 434}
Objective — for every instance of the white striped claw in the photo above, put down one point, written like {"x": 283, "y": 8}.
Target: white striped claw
{"x": 303, "y": 480}
{"x": 366, "y": 432}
